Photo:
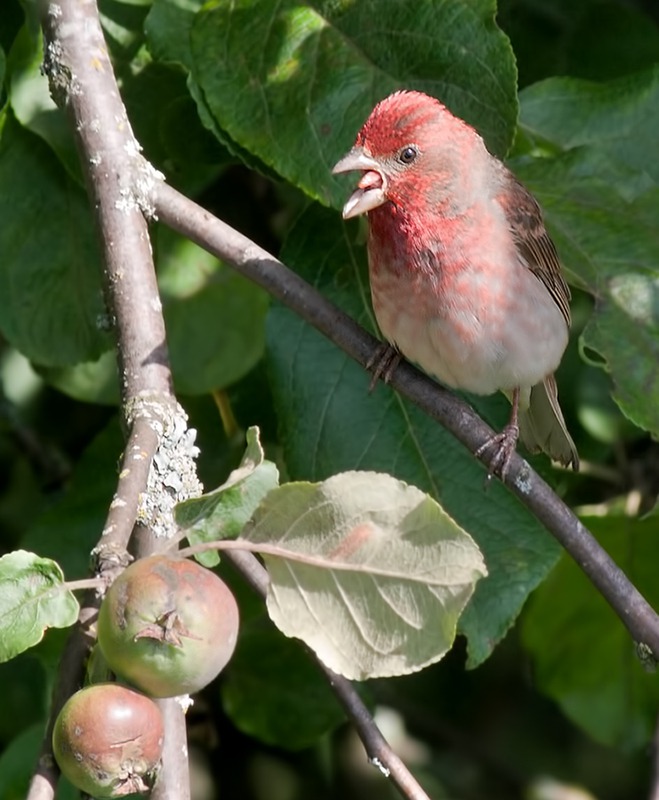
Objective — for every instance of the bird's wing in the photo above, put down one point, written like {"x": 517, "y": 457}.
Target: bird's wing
{"x": 533, "y": 242}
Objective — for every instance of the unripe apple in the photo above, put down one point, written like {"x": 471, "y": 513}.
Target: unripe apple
{"x": 108, "y": 739}
{"x": 168, "y": 625}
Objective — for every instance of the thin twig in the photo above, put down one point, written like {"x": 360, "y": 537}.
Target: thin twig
{"x": 133, "y": 473}
{"x": 70, "y": 673}
{"x": 84, "y": 584}
{"x": 454, "y": 414}
{"x": 111, "y": 557}
{"x": 378, "y": 750}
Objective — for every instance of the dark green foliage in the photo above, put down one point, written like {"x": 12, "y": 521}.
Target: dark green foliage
{"x": 245, "y": 105}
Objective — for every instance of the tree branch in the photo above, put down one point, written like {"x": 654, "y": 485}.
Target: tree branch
{"x": 377, "y": 748}
{"x": 454, "y": 414}
{"x": 121, "y": 185}
{"x": 82, "y": 82}
{"x": 118, "y": 178}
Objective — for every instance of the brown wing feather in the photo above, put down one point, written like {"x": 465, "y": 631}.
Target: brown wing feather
{"x": 534, "y": 244}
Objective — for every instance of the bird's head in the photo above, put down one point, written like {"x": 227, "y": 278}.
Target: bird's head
{"x": 410, "y": 141}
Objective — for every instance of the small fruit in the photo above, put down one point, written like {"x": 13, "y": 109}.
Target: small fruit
{"x": 107, "y": 740}
{"x": 168, "y": 625}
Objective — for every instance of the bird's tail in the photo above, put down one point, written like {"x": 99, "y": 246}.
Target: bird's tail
{"x": 542, "y": 426}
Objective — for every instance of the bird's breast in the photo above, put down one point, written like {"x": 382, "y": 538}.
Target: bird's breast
{"x": 455, "y": 298}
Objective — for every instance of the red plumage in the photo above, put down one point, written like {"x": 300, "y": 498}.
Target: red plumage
{"x": 465, "y": 280}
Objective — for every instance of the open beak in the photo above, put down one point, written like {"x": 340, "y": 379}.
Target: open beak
{"x": 370, "y": 191}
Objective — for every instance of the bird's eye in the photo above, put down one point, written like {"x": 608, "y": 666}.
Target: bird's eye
{"x": 408, "y": 154}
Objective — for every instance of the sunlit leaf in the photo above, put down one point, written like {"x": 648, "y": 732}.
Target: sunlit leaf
{"x": 32, "y": 598}
{"x": 51, "y": 307}
{"x": 370, "y": 572}
{"x": 215, "y": 318}
{"x": 222, "y": 513}
{"x": 329, "y": 422}
{"x": 292, "y": 83}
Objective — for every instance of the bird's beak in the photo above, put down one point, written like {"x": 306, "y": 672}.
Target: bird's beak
{"x": 370, "y": 191}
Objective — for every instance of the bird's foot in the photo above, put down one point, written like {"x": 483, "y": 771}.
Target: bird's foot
{"x": 504, "y": 445}
{"x": 383, "y": 362}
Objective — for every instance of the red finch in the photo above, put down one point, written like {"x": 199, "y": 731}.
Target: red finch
{"x": 465, "y": 280}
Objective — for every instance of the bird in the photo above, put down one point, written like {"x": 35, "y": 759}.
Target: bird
{"x": 465, "y": 281}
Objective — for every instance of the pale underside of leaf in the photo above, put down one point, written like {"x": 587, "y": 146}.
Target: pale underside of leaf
{"x": 369, "y": 572}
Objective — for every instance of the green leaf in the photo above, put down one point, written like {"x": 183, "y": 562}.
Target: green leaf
{"x": 596, "y": 49}
{"x": 32, "y": 598}
{"x": 50, "y": 289}
{"x": 123, "y": 25}
{"x": 598, "y": 39}
{"x": 293, "y": 84}
{"x": 168, "y": 27}
{"x": 368, "y": 571}
{"x": 193, "y": 154}
{"x": 223, "y": 513}
{"x": 609, "y": 246}
{"x": 29, "y": 699}
{"x": 598, "y": 184}
{"x": 70, "y": 528}
{"x": 17, "y": 767}
{"x": 215, "y": 323}
{"x": 3, "y": 66}
{"x": 166, "y": 123}
{"x": 583, "y": 655}
{"x": 32, "y": 104}
{"x": 619, "y": 118}
{"x": 90, "y": 382}
{"x": 17, "y": 763}
{"x": 450, "y": 49}
{"x": 215, "y": 318}
{"x": 329, "y": 422}
{"x": 295, "y": 703}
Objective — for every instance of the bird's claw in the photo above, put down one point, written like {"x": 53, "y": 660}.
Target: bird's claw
{"x": 383, "y": 362}
{"x": 504, "y": 444}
